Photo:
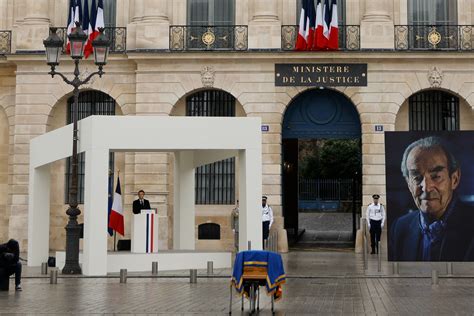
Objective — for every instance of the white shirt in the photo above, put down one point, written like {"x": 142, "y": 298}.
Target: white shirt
{"x": 376, "y": 213}
{"x": 267, "y": 214}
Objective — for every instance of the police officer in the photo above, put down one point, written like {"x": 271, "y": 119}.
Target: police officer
{"x": 375, "y": 220}
{"x": 267, "y": 218}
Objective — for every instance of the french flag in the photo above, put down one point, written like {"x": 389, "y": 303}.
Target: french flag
{"x": 88, "y": 50}
{"x": 311, "y": 27}
{"x": 116, "y": 221}
{"x": 70, "y": 23}
{"x": 86, "y": 26}
{"x": 333, "y": 42}
{"x": 320, "y": 41}
{"x": 97, "y": 22}
{"x": 301, "y": 40}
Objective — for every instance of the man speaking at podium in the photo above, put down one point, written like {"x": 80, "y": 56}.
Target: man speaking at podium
{"x": 141, "y": 203}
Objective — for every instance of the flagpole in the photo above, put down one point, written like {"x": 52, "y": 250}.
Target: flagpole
{"x": 115, "y": 232}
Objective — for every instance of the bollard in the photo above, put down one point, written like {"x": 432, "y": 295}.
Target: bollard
{"x": 44, "y": 268}
{"x": 449, "y": 268}
{"x": 434, "y": 277}
{"x": 379, "y": 256}
{"x": 210, "y": 267}
{"x": 395, "y": 268}
{"x": 53, "y": 276}
{"x": 193, "y": 276}
{"x": 154, "y": 268}
{"x": 123, "y": 275}
{"x": 249, "y": 245}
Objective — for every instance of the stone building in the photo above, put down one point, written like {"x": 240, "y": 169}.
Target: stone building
{"x": 217, "y": 58}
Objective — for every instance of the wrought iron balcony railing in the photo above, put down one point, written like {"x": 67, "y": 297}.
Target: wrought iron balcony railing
{"x": 349, "y": 37}
{"x": 208, "y": 37}
{"x": 434, "y": 37}
{"x": 117, "y": 36}
{"x": 5, "y": 42}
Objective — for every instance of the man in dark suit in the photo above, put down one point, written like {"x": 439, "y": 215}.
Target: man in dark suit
{"x": 442, "y": 229}
{"x": 10, "y": 261}
{"x": 141, "y": 203}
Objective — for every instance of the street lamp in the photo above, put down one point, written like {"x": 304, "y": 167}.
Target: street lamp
{"x": 53, "y": 45}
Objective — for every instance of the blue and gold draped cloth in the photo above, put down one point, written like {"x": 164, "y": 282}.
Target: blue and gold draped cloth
{"x": 254, "y": 263}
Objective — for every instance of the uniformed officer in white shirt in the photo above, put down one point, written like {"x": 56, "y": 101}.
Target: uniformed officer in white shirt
{"x": 267, "y": 218}
{"x": 375, "y": 220}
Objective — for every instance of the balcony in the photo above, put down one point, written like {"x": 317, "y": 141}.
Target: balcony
{"x": 349, "y": 37}
{"x": 117, "y": 36}
{"x": 5, "y": 42}
{"x": 208, "y": 38}
{"x": 434, "y": 37}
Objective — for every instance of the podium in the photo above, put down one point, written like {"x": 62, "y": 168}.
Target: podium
{"x": 145, "y": 232}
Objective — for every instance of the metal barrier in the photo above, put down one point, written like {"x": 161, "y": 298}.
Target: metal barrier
{"x": 208, "y": 37}
{"x": 434, "y": 37}
{"x": 349, "y": 37}
{"x": 116, "y": 35}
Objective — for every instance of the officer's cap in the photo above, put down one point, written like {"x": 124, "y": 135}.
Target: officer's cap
{"x": 375, "y": 196}
{"x": 264, "y": 197}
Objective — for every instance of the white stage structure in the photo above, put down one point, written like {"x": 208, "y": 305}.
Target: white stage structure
{"x": 195, "y": 141}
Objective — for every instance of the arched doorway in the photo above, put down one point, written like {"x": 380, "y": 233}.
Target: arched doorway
{"x": 91, "y": 102}
{"x": 321, "y": 173}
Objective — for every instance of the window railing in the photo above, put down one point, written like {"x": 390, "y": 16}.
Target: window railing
{"x": 5, "y": 42}
{"x": 117, "y": 36}
{"x": 434, "y": 37}
{"x": 208, "y": 37}
{"x": 349, "y": 37}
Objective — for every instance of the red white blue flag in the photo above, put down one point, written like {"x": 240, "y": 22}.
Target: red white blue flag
{"x": 150, "y": 233}
{"x": 116, "y": 221}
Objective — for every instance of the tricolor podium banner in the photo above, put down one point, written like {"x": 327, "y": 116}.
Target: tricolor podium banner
{"x": 430, "y": 195}
{"x": 145, "y": 232}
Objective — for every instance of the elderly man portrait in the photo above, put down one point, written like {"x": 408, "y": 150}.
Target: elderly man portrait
{"x": 442, "y": 227}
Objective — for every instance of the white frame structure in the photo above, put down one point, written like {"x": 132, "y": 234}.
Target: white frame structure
{"x": 195, "y": 141}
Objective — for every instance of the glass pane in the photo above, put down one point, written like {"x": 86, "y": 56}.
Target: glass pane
{"x": 198, "y": 12}
{"x": 432, "y": 12}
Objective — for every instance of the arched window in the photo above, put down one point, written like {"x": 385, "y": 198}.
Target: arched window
{"x": 215, "y": 182}
{"x": 90, "y": 103}
{"x": 209, "y": 231}
{"x": 434, "y": 111}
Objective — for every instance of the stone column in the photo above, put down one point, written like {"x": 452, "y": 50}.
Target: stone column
{"x": 150, "y": 25}
{"x": 265, "y": 26}
{"x": 35, "y": 27}
{"x": 376, "y": 27}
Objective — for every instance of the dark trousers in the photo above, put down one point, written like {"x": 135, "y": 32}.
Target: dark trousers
{"x": 266, "y": 231}
{"x": 12, "y": 269}
{"x": 375, "y": 232}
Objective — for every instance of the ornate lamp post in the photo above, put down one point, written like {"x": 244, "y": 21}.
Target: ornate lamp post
{"x": 53, "y": 45}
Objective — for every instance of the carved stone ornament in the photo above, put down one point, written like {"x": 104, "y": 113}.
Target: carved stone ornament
{"x": 435, "y": 77}
{"x": 84, "y": 75}
{"x": 207, "y": 76}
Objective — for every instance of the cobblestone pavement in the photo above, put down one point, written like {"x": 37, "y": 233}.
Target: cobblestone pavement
{"x": 320, "y": 283}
